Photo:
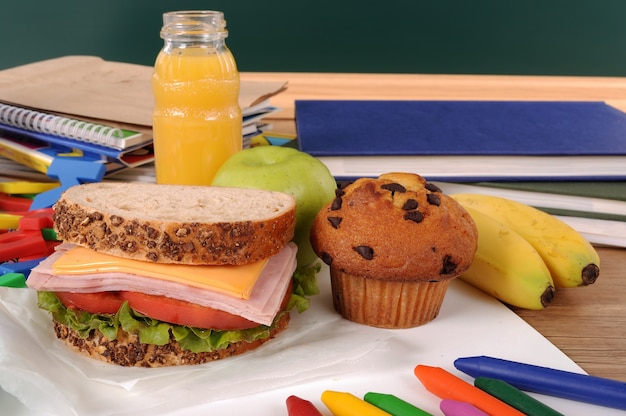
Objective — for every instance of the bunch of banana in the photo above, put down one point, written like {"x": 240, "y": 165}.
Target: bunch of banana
{"x": 527, "y": 253}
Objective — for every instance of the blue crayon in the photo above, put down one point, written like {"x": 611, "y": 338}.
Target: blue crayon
{"x": 548, "y": 381}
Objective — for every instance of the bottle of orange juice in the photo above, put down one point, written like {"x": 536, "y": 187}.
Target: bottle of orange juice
{"x": 197, "y": 119}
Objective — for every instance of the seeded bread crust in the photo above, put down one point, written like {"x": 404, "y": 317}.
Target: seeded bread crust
{"x": 176, "y": 224}
{"x": 127, "y": 351}
{"x": 397, "y": 227}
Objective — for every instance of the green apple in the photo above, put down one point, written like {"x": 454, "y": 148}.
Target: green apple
{"x": 286, "y": 170}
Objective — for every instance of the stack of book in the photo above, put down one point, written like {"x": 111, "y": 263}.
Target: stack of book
{"x": 96, "y": 110}
{"x": 34, "y": 139}
{"x": 567, "y": 158}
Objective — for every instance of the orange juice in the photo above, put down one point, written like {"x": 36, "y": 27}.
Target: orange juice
{"x": 197, "y": 120}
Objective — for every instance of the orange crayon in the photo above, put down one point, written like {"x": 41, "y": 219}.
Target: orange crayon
{"x": 446, "y": 385}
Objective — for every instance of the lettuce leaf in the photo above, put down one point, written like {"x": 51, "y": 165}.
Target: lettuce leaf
{"x": 149, "y": 331}
{"x": 304, "y": 284}
{"x": 81, "y": 321}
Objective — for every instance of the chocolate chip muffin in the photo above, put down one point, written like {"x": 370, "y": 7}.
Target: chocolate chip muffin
{"x": 393, "y": 245}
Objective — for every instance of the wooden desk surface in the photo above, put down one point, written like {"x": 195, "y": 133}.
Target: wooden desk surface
{"x": 589, "y": 323}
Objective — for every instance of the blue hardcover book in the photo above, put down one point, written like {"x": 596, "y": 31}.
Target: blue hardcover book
{"x": 466, "y": 140}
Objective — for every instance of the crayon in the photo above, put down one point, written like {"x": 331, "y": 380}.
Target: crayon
{"x": 346, "y": 404}
{"x": 393, "y": 405}
{"x": 297, "y": 406}
{"x": 451, "y": 407}
{"x": 548, "y": 381}
{"x": 514, "y": 397}
{"x": 446, "y": 385}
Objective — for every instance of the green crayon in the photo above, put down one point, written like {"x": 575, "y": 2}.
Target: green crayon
{"x": 393, "y": 405}
{"x": 514, "y": 397}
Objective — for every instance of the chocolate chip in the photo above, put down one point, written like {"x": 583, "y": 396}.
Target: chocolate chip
{"x": 414, "y": 216}
{"x": 448, "y": 266}
{"x": 336, "y": 205}
{"x": 339, "y": 192}
{"x": 335, "y": 221}
{"x": 393, "y": 187}
{"x": 433, "y": 199}
{"x": 365, "y": 251}
{"x": 409, "y": 205}
{"x": 326, "y": 258}
{"x": 432, "y": 188}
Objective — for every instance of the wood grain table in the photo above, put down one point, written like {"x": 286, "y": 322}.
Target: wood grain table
{"x": 587, "y": 323}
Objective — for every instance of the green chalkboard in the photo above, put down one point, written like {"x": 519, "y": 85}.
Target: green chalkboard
{"x": 534, "y": 37}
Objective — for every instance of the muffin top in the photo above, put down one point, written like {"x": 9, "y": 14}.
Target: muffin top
{"x": 396, "y": 227}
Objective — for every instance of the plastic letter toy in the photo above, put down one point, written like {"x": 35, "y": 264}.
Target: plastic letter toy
{"x": 16, "y": 280}
{"x": 69, "y": 172}
{"x": 14, "y": 203}
{"x": 20, "y": 267}
{"x": 28, "y": 240}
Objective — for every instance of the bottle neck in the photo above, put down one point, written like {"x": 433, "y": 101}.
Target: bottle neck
{"x": 194, "y": 29}
{"x": 216, "y": 46}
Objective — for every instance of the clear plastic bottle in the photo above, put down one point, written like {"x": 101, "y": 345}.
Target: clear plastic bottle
{"x": 197, "y": 119}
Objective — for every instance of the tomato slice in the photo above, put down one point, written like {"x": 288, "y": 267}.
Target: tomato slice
{"x": 100, "y": 302}
{"x": 160, "y": 307}
{"x": 157, "y": 307}
{"x": 184, "y": 313}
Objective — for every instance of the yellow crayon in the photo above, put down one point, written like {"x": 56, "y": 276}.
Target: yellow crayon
{"x": 346, "y": 404}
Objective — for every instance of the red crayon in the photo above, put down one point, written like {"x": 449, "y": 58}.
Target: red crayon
{"x": 446, "y": 385}
{"x": 300, "y": 407}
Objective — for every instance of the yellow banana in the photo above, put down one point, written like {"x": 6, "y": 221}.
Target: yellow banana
{"x": 571, "y": 259}
{"x": 507, "y": 267}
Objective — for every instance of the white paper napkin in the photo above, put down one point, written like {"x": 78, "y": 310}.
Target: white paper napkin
{"x": 47, "y": 376}
{"x": 318, "y": 351}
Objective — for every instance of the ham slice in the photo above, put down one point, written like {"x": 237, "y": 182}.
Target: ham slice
{"x": 262, "y": 306}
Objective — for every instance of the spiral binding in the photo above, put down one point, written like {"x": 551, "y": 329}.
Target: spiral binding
{"x": 59, "y": 126}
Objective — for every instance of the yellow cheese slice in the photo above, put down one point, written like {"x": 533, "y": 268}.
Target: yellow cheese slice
{"x": 237, "y": 281}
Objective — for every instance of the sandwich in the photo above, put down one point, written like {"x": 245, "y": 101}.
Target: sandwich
{"x": 161, "y": 275}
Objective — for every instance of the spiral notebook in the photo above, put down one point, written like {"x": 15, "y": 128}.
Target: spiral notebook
{"x": 70, "y": 128}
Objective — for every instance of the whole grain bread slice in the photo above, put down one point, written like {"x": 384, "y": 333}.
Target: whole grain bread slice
{"x": 176, "y": 223}
{"x": 127, "y": 351}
